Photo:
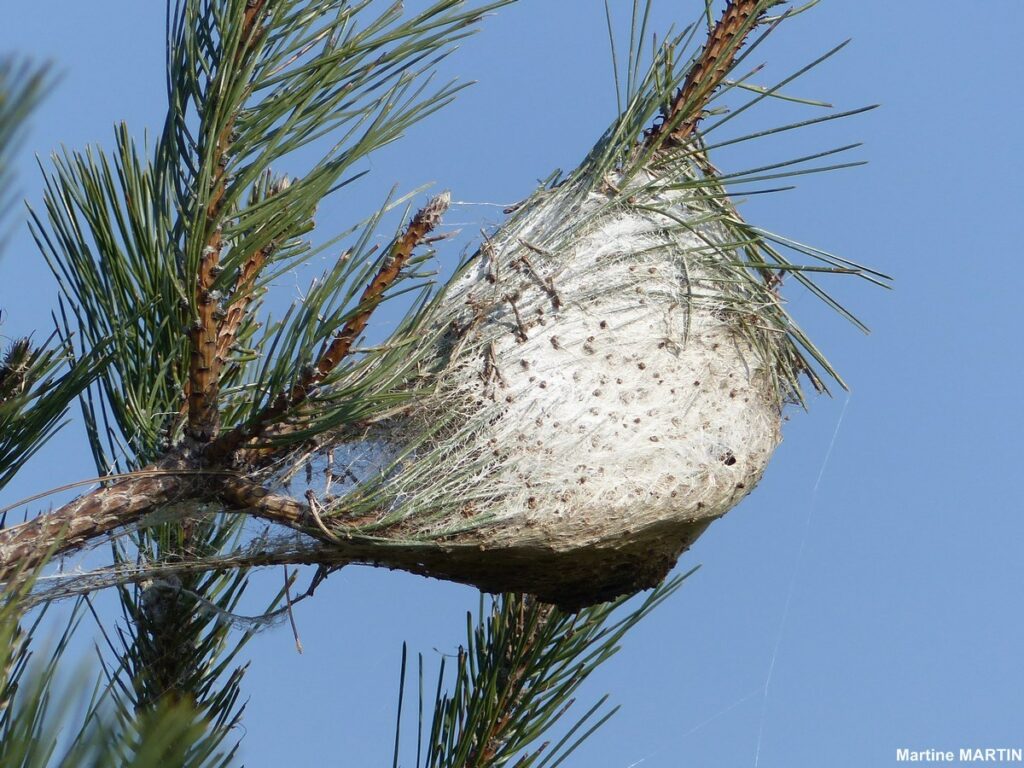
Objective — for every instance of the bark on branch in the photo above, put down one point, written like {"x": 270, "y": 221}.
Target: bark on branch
{"x": 206, "y": 361}
{"x": 422, "y": 224}
{"x": 104, "y": 511}
{"x": 707, "y": 73}
{"x": 569, "y": 579}
{"x": 25, "y": 547}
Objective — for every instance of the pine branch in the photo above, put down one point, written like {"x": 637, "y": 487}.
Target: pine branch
{"x": 422, "y": 224}
{"x": 517, "y": 678}
{"x": 180, "y": 493}
{"x": 81, "y": 521}
{"x": 37, "y": 381}
{"x": 40, "y": 713}
{"x": 716, "y": 59}
{"x": 125, "y": 502}
{"x": 171, "y": 241}
{"x": 333, "y": 353}
{"x": 177, "y": 650}
{"x": 108, "y": 238}
{"x": 272, "y": 410}
{"x": 179, "y": 215}
{"x": 30, "y": 718}
{"x": 237, "y": 306}
{"x": 242, "y": 295}
{"x": 205, "y": 362}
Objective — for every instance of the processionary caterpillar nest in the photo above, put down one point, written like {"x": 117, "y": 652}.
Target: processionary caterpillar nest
{"x": 604, "y": 378}
{"x": 611, "y": 384}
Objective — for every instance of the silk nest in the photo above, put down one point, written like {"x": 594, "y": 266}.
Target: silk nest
{"x": 609, "y": 384}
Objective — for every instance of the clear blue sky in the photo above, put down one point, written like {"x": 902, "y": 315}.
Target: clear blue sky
{"x": 848, "y": 607}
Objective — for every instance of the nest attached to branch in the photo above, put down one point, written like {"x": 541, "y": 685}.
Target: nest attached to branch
{"x": 613, "y": 376}
{"x": 600, "y": 381}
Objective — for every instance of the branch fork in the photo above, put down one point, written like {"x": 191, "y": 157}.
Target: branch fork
{"x": 180, "y": 475}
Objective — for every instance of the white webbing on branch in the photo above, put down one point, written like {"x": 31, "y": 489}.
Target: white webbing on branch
{"x": 605, "y": 375}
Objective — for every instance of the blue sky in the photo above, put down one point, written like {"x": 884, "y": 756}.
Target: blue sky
{"x": 866, "y": 596}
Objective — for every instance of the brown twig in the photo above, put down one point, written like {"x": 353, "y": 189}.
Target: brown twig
{"x": 246, "y": 496}
{"x": 334, "y": 352}
{"x": 422, "y": 224}
{"x": 521, "y": 334}
{"x": 205, "y": 362}
{"x": 315, "y": 514}
{"x": 203, "y": 373}
{"x": 487, "y": 250}
{"x": 707, "y": 73}
{"x": 241, "y": 298}
{"x": 242, "y": 295}
{"x": 491, "y": 371}
{"x": 546, "y": 283}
